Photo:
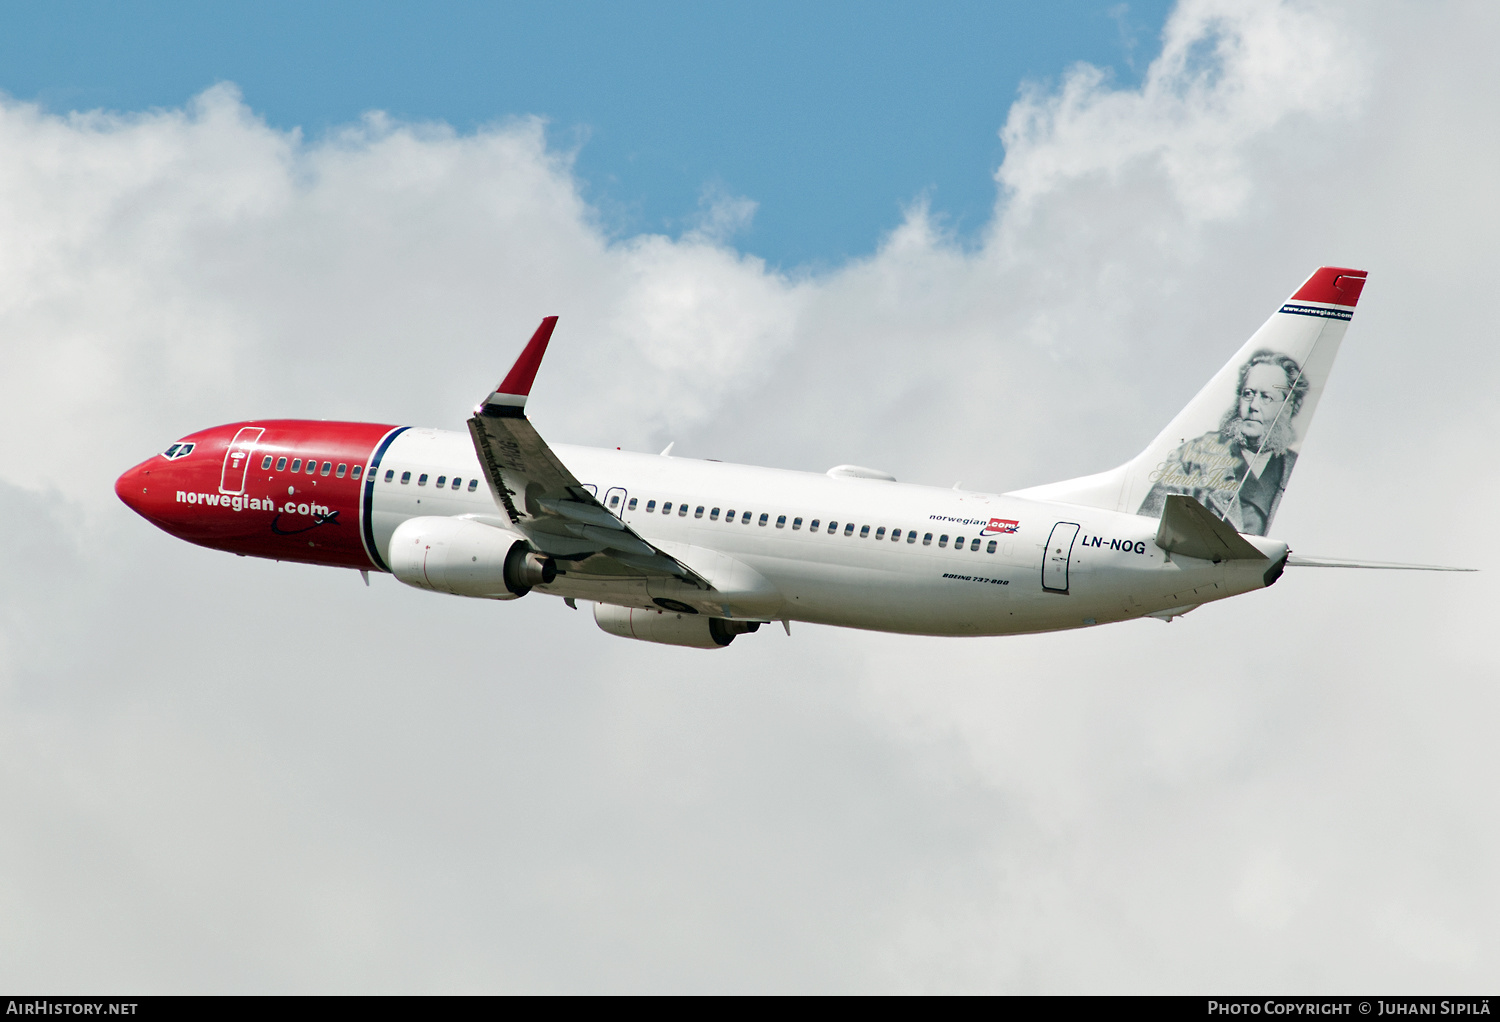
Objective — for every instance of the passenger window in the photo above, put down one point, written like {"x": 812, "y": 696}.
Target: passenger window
{"x": 797, "y": 524}
{"x": 880, "y": 532}
{"x": 666, "y": 507}
{"x": 441, "y": 482}
{"x": 864, "y": 532}
{"x": 473, "y": 485}
{"x": 745, "y": 517}
{"x": 974, "y": 546}
{"x": 631, "y": 505}
{"x": 895, "y": 535}
{"x": 729, "y": 517}
{"x": 312, "y": 466}
{"x": 713, "y": 515}
{"x": 650, "y": 507}
{"x": 814, "y": 526}
{"x": 927, "y": 539}
{"x": 455, "y": 484}
{"x": 265, "y": 463}
{"x": 943, "y": 540}
{"x": 682, "y": 510}
{"x": 766, "y": 518}
{"x": 296, "y": 464}
{"x": 422, "y": 479}
{"x": 781, "y": 521}
{"x": 698, "y": 512}
{"x": 356, "y": 472}
{"x": 911, "y": 537}
{"x": 281, "y": 464}
{"x": 614, "y": 500}
{"x": 405, "y": 478}
{"x": 989, "y": 547}
{"x": 833, "y": 527}
{"x": 849, "y": 529}
{"x": 390, "y": 474}
{"x": 341, "y": 470}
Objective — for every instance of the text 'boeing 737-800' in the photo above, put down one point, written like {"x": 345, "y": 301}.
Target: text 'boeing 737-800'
{"x": 693, "y": 553}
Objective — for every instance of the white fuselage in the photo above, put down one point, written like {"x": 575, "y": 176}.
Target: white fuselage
{"x": 774, "y": 565}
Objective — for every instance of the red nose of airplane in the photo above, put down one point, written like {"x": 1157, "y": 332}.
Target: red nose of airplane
{"x": 134, "y": 488}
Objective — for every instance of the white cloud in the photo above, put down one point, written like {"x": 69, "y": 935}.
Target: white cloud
{"x": 234, "y": 775}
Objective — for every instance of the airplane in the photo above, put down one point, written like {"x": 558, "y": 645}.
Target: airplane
{"x": 693, "y": 553}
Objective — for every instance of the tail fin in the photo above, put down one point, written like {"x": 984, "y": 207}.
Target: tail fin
{"x": 1235, "y": 444}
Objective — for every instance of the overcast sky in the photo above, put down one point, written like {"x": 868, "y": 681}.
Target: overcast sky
{"x": 222, "y": 774}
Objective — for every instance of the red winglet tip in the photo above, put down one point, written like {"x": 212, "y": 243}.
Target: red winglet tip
{"x": 523, "y": 374}
{"x": 1332, "y": 285}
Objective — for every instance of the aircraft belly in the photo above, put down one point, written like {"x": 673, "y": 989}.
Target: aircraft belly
{"x": 917, "y": 602}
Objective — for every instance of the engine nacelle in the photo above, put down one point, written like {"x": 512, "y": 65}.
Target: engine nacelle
{"x": 669, "y": 627}
{"x": 466, "y": 558}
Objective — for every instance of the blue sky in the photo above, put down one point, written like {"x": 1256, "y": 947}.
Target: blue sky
{"x": 830, "y": 116}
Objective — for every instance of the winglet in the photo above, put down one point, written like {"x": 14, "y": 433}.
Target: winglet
{"x": 510, "y": 397}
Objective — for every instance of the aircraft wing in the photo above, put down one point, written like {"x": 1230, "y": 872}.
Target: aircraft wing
{"x": 544, "y": 500}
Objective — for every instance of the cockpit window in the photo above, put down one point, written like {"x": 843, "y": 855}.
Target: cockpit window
{"x": 178, "y": 450}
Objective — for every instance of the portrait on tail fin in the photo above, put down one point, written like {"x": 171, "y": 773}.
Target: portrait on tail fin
{"x": 1240, "y": 470}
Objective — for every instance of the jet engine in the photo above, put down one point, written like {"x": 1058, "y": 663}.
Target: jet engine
{"x": 669, "y": 627}
{"x": 466, "y": 558}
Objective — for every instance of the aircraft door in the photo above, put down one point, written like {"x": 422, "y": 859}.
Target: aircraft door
{"x": 614, "y": 501}
{"x": 1055, "y": 558}
{"x": 237, "y": 459}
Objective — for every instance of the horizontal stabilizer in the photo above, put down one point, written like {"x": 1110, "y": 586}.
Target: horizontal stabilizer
{"x": 1331, "y": 562}
{"x": 1190, "y": 529}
